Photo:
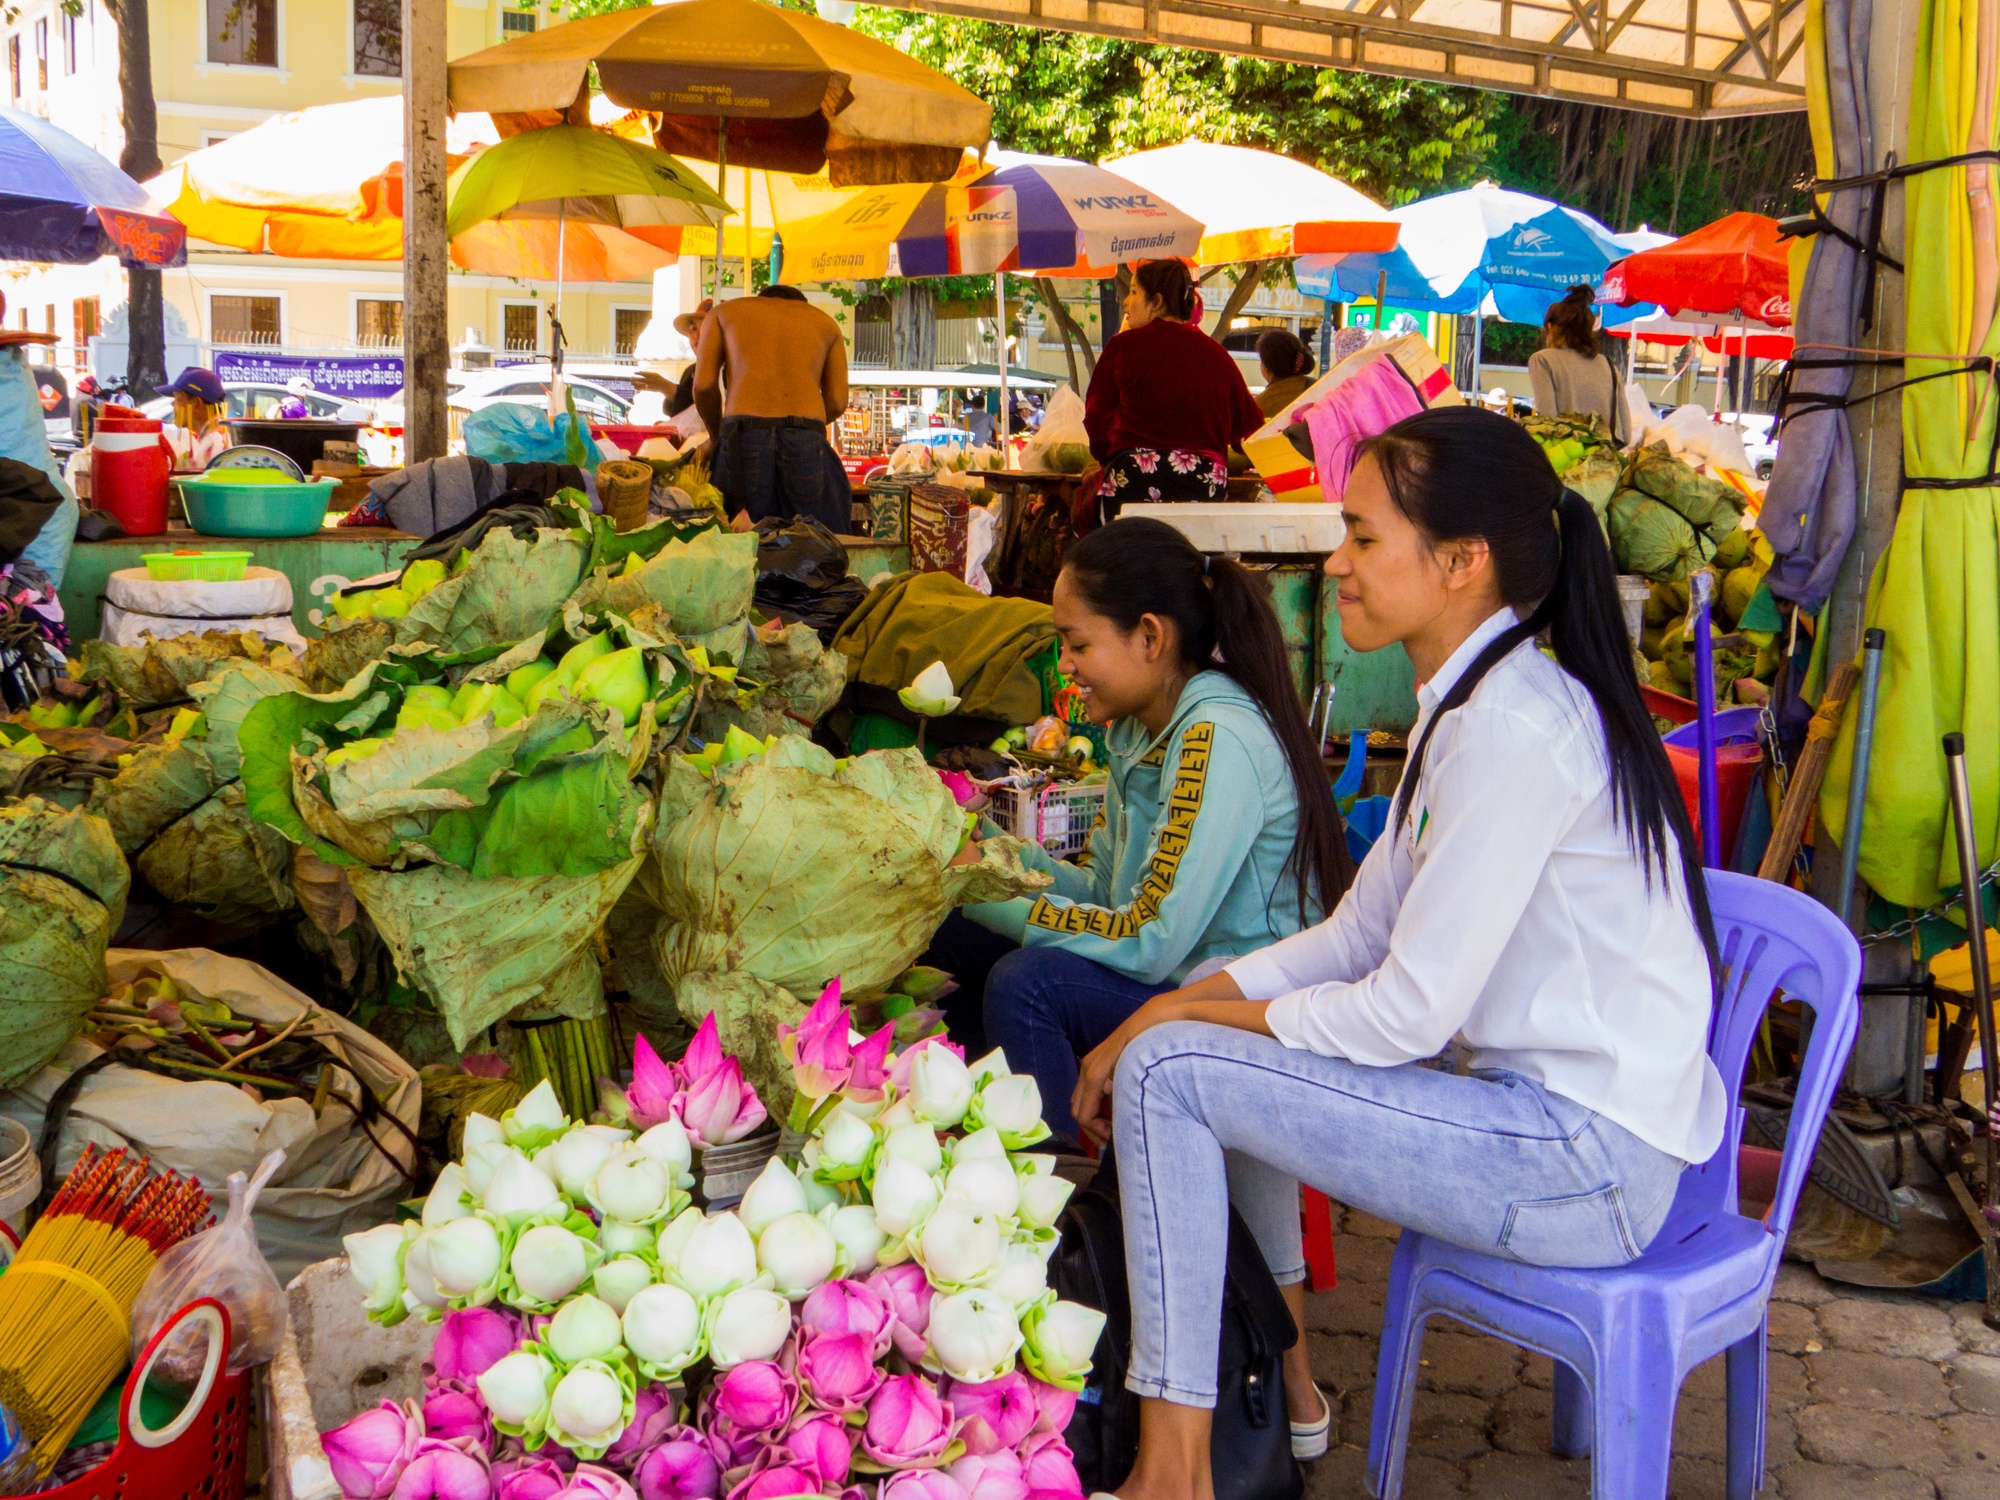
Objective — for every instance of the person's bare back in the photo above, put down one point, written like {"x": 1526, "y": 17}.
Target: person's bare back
{"x": 770, "y": 356}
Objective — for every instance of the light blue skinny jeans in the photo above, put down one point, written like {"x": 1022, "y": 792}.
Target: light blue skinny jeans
{"x": 1205, "y": 1115}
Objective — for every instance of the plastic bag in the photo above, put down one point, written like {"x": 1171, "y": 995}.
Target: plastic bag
{"x": 802, "y": 575}
{"x": 911, "y": 458}
{"x": 223, "y": 1263}
{"x": 982, "y": 533}
{"x": 1062, "y": 428}
{"x": 505, "y": 433}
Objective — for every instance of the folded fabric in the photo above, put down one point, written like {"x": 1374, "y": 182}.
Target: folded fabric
{"x": 920, "y": 618}
{"x": 426, "y": 497}
{"x": 1371, "y": 400}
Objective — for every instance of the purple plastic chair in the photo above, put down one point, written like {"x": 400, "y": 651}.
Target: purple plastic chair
{"x": 1624, "y": 1339}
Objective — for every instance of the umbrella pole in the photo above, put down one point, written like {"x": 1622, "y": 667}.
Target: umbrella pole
{"x": 722, "y": 190}
{"x": 1000, "y": 346}
{"x": 1478, "y": 335}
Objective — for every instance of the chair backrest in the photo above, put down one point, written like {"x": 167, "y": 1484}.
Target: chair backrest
{"x": 1772, "y": 937}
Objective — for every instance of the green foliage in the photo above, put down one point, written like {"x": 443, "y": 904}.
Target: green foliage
{"x": 1091, "y": 97}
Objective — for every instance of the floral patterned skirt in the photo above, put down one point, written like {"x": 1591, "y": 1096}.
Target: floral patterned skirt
{"x": 1150, "y": 475}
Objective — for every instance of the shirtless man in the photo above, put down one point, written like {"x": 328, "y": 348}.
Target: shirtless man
{"x": 786, "y": 372}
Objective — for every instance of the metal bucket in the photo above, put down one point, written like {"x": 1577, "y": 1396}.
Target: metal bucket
{"x": 728, "y": 1171}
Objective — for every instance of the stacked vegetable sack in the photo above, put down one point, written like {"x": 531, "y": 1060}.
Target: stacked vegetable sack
{"x": 1667, "y": 522}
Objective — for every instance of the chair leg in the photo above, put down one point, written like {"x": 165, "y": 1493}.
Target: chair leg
{"x": 1746, "y": 1364}
{"x": 1633, "y": 1437}
{"x": 1395, "y": 1379}
{"x": 1571, "y": 1426}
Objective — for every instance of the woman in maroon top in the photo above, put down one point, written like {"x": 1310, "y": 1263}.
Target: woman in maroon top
{"x": 1167, "y": 401}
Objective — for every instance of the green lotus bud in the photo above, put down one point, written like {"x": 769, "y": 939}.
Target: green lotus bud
{"x": 522, "y": 679}
{"x": 425, "y": 716}
{"x": 584, "y": 652}
{"x": 431, "y": 695}
{"x": 617, "y": 680}
{"x": 389, "y": 604}
{"x": 421, "y": 576}
{"x": 352, "y": 750}
{"x": 477, "y": 699}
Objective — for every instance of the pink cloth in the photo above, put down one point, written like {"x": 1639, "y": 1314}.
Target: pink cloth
{"x": 1373, "y": 399}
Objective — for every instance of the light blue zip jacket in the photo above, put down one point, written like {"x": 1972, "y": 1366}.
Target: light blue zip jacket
{"x": 1188, "y": 861}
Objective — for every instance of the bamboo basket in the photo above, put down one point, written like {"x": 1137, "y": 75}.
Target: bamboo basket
{"x": 625, "y": 491}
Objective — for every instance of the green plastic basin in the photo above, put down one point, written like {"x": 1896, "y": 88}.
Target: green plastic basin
{"x": 217, "y": 507}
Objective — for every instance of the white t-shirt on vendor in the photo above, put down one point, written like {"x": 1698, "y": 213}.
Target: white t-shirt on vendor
{"x": 1511, "y": 911}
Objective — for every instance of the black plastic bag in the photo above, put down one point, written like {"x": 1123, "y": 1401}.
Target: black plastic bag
{"x": 28, "y": 499}
{"x": 802, "y": 575}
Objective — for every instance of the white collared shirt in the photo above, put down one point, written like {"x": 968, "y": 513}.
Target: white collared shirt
{"x": 1511, "y": 910}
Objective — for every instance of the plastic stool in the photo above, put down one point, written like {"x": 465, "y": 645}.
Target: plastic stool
{"x": 1316, "y": 1220}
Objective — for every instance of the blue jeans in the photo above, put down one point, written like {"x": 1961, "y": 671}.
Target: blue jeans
{"x": 1492, "y": 1161}
{"x": 1046, "y": 1008}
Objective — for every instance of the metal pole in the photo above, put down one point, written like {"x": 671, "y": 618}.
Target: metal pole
{"x": 1326, "y": 336}
{"x": 1703, "y": 586}
{"x": 1975, "y": 941}
{"x": 1857, "y": 785}
{"x": 1000, "y": 345}
{"x": 722, "y": 191}
{"x": 426, "y": 247}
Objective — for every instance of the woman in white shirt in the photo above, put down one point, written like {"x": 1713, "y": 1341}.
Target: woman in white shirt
{"x": 1536, "y": 895}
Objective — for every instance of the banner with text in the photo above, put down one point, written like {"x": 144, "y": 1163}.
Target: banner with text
{"x": 362, "y": 378}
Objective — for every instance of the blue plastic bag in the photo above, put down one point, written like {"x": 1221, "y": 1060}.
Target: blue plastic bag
{"x": 508, "y": 433}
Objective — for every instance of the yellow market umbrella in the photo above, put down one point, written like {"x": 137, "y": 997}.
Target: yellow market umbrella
{"x": 746, "y": 82}
{"x": 327, "y": 184}
{"x": 1936, "y": 591}
{"x": 1257, "y": 205}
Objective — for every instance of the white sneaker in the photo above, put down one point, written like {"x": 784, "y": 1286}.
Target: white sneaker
{"x": 1309, "y": 1439}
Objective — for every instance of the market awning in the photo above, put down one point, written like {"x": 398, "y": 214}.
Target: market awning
{"x": 1674, "y": 57}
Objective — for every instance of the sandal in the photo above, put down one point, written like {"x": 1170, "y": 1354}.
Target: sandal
{"x": 1309, "y": 1439}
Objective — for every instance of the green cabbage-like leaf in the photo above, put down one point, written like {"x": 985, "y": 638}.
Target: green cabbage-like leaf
{"x": 702, "y": 584}
{"x": 221, "y": 863}
{"x": 63, "y": 884}
{"x": 508, "y": 590}
{"x": 161, "y": 672}
{"x": 792, "y": 877}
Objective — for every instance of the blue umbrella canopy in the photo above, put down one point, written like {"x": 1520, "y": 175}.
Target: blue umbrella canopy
{"x": 61, "y": 201}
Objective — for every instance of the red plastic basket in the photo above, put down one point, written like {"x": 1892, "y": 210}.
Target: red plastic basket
{"x": 197, "y": 1456}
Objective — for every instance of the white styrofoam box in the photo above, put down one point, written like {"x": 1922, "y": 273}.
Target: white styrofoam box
{"x": 1256, "y": 526}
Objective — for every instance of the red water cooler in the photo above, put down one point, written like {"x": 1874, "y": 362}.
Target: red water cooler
{"x": 129, "y": 463}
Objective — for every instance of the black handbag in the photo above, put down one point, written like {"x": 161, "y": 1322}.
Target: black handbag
{"x": 1250, "y": 1444}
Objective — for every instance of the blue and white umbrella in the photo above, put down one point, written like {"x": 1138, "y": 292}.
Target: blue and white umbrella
{"x": 1488, "y": 250}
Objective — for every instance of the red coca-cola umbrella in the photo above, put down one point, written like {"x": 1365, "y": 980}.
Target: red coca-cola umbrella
{"x": 1733, "y": 271}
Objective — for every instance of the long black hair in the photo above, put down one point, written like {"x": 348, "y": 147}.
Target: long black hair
{"x": 1224, "y": 622}
{"x": 1459, "y": 474}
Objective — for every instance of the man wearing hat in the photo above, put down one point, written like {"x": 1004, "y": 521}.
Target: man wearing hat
{"x": 785, "y": 367}
{"x": 196, "y": 434}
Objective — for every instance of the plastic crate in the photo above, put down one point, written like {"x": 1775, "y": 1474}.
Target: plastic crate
{"x": 1057, "y": 815}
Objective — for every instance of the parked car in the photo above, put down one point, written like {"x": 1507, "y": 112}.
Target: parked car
{"x": 264, "y": 401}
{"x": 595, "y": 402}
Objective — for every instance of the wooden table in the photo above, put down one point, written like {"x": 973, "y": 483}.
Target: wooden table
{"x": 317, "y": 565}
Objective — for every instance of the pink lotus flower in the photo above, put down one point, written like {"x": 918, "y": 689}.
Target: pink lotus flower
{"x": 992, "y": 1476}
{"x": 1054, "y": 1406}
{"x": 838, "y": 1371}
{"x": 486, "y": 1065}
{"x": 817, "y": 1047}
{"x": 732, "y": 1448}
{"x": 703, "y": 1056}
{"x": 820, "y": 1443}
{"x": 756, "y": 1397}
{"x": 777, "y": 1482}
{"x": 591, "y": 1482}
{"x": 513, "y": 1450}
{"x": 868, "y": 1071}
{"x": 1047, "y": 1464}
{"x": 899, "y": 1070}
{"x": 653, "y": 1097}
{"x": 908, "y": 1426}
{"x": 369, "y": 1452}
{"x": 470, "y": 1341}
{"x": 907, "y": 1290}
{"x": 453, "y": 1409}
{"x": 720, "y": 1107}
{"x": 445, "y": 1471}
{"x": 848, "y": 1306}
{"x": 995, "y": 1415}
{"x": 922, "y": 1484}
{"x": 528, "y": 1479}
{"x": 679, "y": 1468}
{"x": 963, "y": 792}
{"x": 655, "y": 1413}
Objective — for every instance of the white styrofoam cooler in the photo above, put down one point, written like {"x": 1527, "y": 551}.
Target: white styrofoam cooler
{"x": 136, "y": 605}
{"x": 1257, "y": 526}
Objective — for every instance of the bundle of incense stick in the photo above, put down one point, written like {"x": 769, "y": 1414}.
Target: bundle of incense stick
{"x": 66, "y": 1301}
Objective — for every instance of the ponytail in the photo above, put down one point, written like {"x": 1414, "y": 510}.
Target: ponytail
{"x": 1224, "y": 622}
{"x": 1460, "y": 473}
